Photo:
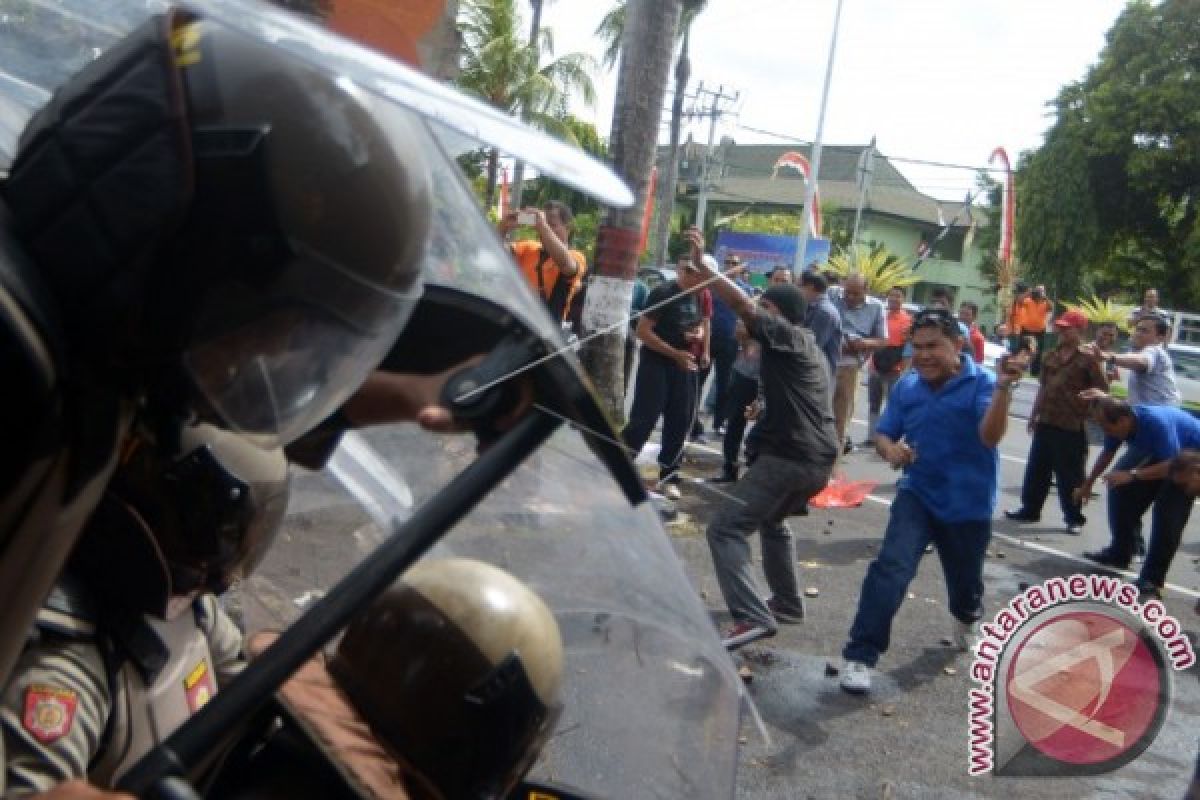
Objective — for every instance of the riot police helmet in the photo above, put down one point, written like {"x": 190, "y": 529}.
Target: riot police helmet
{"x": 458, "y": 670}
{"x": 189, "y": 510}
{"x": 211, "y": 205}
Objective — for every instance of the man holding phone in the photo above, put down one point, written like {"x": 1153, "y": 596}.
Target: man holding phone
{"x": 553, "y": 269}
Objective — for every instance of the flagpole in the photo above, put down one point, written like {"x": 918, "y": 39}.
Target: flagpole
{"x": 811, "y": 189}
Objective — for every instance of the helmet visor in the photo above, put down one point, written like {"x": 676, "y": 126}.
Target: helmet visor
{"x": 273, "y": 364}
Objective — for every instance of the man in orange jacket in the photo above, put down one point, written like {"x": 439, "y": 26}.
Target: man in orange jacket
{"x": 553, "y": 269}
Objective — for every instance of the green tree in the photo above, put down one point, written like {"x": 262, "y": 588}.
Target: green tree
{"x": 584, "y": 135}
{"x": 987, "y": 209}
{"x": 501, "y": 68}
{"x": 1110, "y": 198}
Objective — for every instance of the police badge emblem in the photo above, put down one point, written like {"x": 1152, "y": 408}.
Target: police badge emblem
{"x": 49, "y": 712}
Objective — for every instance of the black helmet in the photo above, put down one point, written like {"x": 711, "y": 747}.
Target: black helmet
{"x": 457, "y": 669}
{"x": 196, "y": 192}
{"x": 187, "y": 511}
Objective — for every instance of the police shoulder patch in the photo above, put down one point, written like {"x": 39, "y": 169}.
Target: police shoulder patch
{"x": 49, "y": 711}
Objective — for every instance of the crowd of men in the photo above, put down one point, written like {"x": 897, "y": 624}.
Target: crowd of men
{"x": 934, "y": 412}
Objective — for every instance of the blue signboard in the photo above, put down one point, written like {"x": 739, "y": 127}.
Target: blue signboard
{"x": 762, "y": 252}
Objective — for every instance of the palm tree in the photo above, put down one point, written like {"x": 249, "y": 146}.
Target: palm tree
{"x": 505, "y": 71}
{"x": 641, "y": 84}
{"x": 611, "y": 28}
{"x": 1102, "y": 310}
{"x": 881, "y": 268}
{"x": 518, "y": 183}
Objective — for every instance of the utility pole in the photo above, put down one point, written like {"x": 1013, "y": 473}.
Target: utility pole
{"x": 811, "y": 190}
{"x": 719, "y": 104}
{"x": 866, "y": 173}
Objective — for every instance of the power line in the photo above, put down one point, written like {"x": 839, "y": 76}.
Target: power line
{"x": 796, "y": 140}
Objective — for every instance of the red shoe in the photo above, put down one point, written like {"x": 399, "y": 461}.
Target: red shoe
{"x": 743, "y": 633}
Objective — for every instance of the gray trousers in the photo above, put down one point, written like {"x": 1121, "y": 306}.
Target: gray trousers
{"x": 770, "y": 490}
{"x": 879, "y": 388}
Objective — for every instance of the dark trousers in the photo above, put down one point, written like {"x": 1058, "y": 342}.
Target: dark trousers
{"x": 631, "y": 346}
{"x": 960, "y": 546}
{"x": 724, "y": 351}
{"x": 1036, "y": 367}
{"x": 700, "y": 378}
{"x": 1058, "y": 452}
{"x": 1172, "y": 509}
{"x": 665, "y": 390}
{"x": 742, "y": 392}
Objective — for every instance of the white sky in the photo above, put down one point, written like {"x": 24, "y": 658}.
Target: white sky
{"x": 939, "y": 80}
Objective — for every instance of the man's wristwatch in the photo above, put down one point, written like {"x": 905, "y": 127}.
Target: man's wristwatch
{"x": 1133, "y": 474}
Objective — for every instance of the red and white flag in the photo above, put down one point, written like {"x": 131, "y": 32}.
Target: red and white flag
{"x": 798, "y": 162}
{"x": 1008, "y": 207}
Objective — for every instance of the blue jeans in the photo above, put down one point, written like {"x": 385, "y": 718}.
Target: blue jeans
{"x": 961, "y": 547}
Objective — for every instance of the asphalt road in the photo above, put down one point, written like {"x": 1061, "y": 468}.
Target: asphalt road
{"x": 908, "y": 738}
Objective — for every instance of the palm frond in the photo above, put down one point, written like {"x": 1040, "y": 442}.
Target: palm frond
{"x": 1102, "y": 310}
{"x": 881, "y": 268}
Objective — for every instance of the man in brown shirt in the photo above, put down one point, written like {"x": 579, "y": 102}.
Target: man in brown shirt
{"x": 1057, "y": 423}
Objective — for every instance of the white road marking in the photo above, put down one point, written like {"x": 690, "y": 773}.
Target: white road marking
{"x": 1017, "y": 541}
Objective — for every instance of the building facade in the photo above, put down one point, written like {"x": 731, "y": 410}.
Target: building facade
{"x": 894, "y": 213}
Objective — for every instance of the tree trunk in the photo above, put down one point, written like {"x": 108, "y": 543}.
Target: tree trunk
{"x": 493, "y": 170}
{"x": 670, "y": 175}
{"x": 517, "y": 188}
{"x": 645, "y": 64}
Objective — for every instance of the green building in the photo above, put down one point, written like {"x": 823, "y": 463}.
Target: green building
{"x": 894, "y": 213}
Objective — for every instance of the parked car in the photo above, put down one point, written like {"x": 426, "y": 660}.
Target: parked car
{"x": 1186, "y": 359}
{"x": 992, "y": 353}
{"x": 653, "y": 276}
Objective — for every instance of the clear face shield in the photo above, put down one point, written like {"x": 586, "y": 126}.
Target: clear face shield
{"x": 650, "y": 699}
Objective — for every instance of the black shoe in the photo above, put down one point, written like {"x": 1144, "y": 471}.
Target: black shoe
{"x": 848, "y": 447}
{"x": 788, "y": 615}
{"x": 1105, "y": 559}
{"x": 727, "y": 475}
{"x": 1021, "y": 515}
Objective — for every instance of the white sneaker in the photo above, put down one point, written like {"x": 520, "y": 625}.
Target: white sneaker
{"x": 856, "y": 677}
{"x": 966, "y": 636}
{"x": 672, "y": 491}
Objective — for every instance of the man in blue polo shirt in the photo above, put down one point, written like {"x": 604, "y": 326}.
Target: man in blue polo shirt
{"x": 1152, "y": 435}
{"x": 941, "y": 425}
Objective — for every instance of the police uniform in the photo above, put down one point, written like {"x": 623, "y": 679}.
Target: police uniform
{"x": 92, "y": 694}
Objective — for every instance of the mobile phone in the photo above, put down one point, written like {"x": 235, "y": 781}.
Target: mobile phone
{"x": 526, "y": 218}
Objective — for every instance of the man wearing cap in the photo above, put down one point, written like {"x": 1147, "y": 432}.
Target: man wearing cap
{"x": 1057, "y": 422}
{"x": 796, "y": 447}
